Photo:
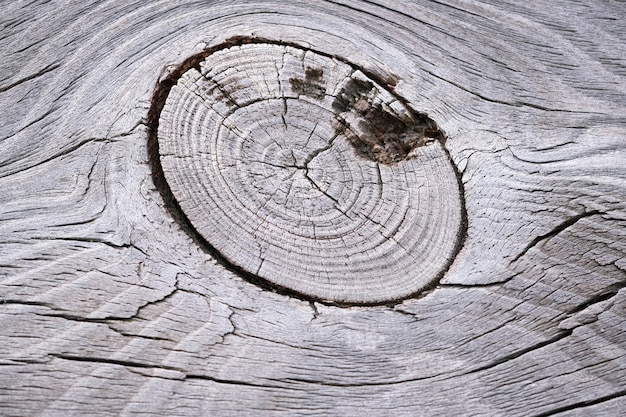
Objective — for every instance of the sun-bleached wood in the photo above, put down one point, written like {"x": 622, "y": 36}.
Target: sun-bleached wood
{"x": 108, "y": 307}
{"x": 256, "y": 146}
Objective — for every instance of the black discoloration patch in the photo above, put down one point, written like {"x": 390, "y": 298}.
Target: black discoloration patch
{"x": 312, "y": 85}
{"x": 354, "y": 91}
{"x": 382, "y": 136}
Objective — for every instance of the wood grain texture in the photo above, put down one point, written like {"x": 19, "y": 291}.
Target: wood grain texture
{"x": 108, "y": 307}
{"x": 302, "y": 171}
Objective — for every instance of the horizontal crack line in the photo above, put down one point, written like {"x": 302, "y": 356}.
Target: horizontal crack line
{"x": 582, "y": 404}
{"x": 191, "y": 376}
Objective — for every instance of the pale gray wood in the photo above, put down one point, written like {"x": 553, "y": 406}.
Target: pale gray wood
{"x": 288, "y": 185}
{"x": 110, "y": 308}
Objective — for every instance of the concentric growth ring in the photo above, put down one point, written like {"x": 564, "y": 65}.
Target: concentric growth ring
{"x": 305, "y": 173}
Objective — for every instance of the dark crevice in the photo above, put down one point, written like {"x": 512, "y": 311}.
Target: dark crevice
{"x": 316, "y": 313}
{"x": 360, "y": 384}
{"x": 378, "y": 16}
{"x": 462, "y": 231}
{"x": 202, "y": 377}
{"x": 607, "y": 293}
{"x": 555, "y": 231}
{"x": 59, "y": 154}
{"x": 164, "y": 298}
{"x": 582, "y": 404}
{"x": 317, "y": 152}
{"x": 519, "y": 353}
{"x": 506, "y": 103}
{"x": 12, "y": 362}
{"x": 286, "y": 383}
{"x": 25, "y": 302}
{"x": 88, "y": 240}
{"x": 492, "y": 284}
{"x": 140, "y": 336}
{"x": 105, "y": 320}
{"x": 317, "y": 187}
{"x": 38, "y": 74}
{"x": 74, "y": 317}
{"x": 470, "y": 339}
{"x": 228, "y": 381}
{"x": 413, "y": 316}
{"x": 282, "y": 343}
{"x": 109, "y": 361}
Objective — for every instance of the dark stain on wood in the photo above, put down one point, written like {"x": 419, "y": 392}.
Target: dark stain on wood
{"x": 383, "y": 136}
{"x": 354, "y": 91}
{"x": 312, "y": 85}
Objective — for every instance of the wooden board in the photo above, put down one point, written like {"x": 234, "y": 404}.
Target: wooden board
{"x": 108, "y": 306}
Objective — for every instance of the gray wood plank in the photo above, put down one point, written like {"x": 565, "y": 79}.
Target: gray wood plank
{"x": 109, "y": 307}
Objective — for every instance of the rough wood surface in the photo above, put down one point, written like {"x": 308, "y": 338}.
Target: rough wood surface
{"x": 109, "y": 307}
{"x": 301, "y": 171}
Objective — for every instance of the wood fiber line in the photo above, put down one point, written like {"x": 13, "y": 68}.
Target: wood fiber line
{"x": 110, "y": 305}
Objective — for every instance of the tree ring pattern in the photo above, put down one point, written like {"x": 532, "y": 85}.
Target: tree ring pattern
{"x": 306, "y": 174}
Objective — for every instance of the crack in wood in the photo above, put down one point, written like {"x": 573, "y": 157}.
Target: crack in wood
{"x": 581, "y": 404}
{"x": 156, "y": 366}
{"x": 521, "y": 352}
{"x": 43, "y": 71}
{"x": 109, "y": 361}
{"x": 555, "y": 231}
{"x": 606, "y": 294}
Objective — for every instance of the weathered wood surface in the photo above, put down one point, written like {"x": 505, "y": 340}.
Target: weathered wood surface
{"x": 303, "y": 172}
{"x": 108, "y": 307}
